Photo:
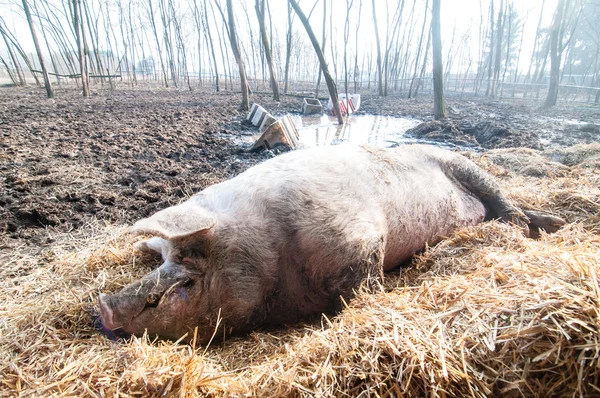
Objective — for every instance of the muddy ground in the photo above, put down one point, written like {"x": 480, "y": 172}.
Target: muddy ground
{"x": 121, "y": 155}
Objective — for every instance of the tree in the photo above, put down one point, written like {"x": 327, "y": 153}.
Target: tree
{"x": 259, "y": 6}
{"x": 324, "y": 68}
{"x": 379, "y": 67}
{"x": 554, "y": 54}
{"x": 498, "y": 55}
{"x": 238, "y": 57}
{"x": 288, "y": 48}
{"x": 78, "y": 25}
{"x": 419, "y": 47}
{"x": 162, "y": 62}
{"x": 565, "y": 17}
{"x": 438, "y": 75}
{"x": 49, "y": 90}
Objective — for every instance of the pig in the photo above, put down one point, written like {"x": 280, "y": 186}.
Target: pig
{"x": 291, "y": 237}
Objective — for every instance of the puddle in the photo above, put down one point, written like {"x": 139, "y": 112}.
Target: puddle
{"x": 382, "y": 131}
{"x": 358, "y": 129}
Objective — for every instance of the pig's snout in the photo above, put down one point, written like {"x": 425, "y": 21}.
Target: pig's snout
{"x": 106, "y": 313}
{"x": 148, "y": 301}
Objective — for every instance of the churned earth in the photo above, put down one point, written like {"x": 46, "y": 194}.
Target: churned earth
{"x": 122, "y": 154}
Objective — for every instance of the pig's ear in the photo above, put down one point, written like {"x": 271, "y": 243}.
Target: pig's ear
{"x": 155, "y": 244}
{"x": 176, "y": 222}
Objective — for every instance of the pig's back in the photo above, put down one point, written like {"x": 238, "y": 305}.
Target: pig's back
{"x": 326, "y": 196}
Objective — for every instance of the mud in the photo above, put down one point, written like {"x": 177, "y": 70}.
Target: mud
{"x": 121, "y": 155}
{"x": 510, "y": 123}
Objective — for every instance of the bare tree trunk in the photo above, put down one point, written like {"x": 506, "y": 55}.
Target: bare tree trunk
{"x": 438, "y": 78}
{"x": 212, "y": 47}
{"x": 508, "y": 33}
{"x": 356, "y": 48}
{"x": 410, "y": 90}
{"x": 421, "y": 79}
{"x": 13, "y": 58}
{"x": 260, "y": 13}
{"x": 328, "y": 79}
{"x": 516, "y": 78}
{"x": 166, "y": 22}
{"x": 132, "y": 44}
{"x": 389, "y": 41}
{"x": 498, "y": 56}
{"x": 50, "y": 52}
{"x": 183, "y": 66}
{"x": 162, "y": 62}
{"x": 322, "y": 45}
{"x": 79, "y": 32}
{"x": 8, "y": 35}
{"x": 379, "y": 68}
{"x": 491, "y": 56}
{"x": 93, "y": 33}
{"x": 555, "y": 55}
{"x": 236, "y": 53}
{"x": 406, "y": 39}
{"x": 13, "y": 78}
{"x": 346, "y": 35}
{"x": 49, "y": 90}
{"x": 535, "y": 45}
{"x": 288, "y": 49}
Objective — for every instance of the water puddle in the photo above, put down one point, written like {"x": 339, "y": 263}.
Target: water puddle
{"x": 358, "y": 129}
{"x": 382, "y": 131}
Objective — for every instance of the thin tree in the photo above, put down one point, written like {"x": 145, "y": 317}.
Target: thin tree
{"x": 324, "y": 68}
{"x": 346, "y": 37}
{"x": 421, "y": 80}
{"x": 160, "y": 56}
{"x": 259, "y": 6}
{"x": 21, "y": 76}
{"x": 288, "y": 48}
{"x": 419, "y": 49}
{"x": 13, "y": 40}
{"x": 323, "y": 38}
{"x": 50, "y": 52}
{"x": 379, "y": 67}
{"x": 438, "y": 75}
{"x": 498, "y": 56}
{"x": 238, "y": 57}
{"x": 49, "y": 90}
{"x": 556, "y": 49}
{"x": 78, "y": 25}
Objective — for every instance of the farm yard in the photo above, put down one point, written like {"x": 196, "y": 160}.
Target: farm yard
{"x": 487, "y": 312}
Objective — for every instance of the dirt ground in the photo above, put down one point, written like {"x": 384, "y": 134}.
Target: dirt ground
{"x": 121, "y": 155}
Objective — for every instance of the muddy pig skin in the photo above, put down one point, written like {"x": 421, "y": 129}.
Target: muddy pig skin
{"x": 287, "y": 238}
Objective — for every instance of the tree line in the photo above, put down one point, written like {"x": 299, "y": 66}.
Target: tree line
{"x": 384, "y": 45}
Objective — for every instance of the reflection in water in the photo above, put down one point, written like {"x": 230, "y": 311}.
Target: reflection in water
{"x": 382, "y": 131}
{"x": 358, "y": 129}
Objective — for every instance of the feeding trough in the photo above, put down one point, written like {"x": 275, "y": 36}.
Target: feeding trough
{"x": 311, "y": 106}
{"x": 282, "y": 132}
{"x": 347, "y": 106}
{"x": 257, "y": 115}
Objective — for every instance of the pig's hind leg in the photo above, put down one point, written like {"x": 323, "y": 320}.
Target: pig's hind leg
{"x": 482, "y": 185}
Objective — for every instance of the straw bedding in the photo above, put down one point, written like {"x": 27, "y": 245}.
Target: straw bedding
{"x": 486, "y": 312}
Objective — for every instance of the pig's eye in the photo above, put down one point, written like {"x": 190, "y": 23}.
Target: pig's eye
{"x": 189, "y": 261}
{"x": 191, "y": 257}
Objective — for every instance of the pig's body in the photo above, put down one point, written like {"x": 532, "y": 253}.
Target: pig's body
{"x": 287, "y": 238}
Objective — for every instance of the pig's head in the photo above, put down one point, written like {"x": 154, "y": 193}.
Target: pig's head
{"x": 204, "y": 276}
